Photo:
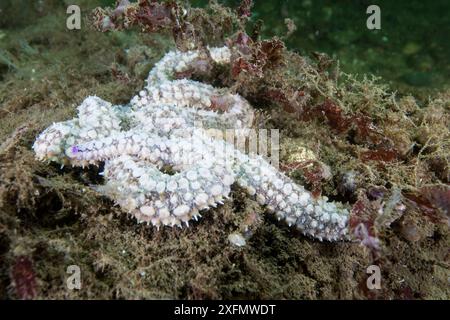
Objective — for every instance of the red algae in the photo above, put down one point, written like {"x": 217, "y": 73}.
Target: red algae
{"x": 23, "y": 278}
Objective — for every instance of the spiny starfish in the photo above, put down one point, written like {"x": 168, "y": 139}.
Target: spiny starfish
{"x": 158, "y": 129}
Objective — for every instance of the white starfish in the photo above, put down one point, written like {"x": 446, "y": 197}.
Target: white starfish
{"x": 157, "y": 129}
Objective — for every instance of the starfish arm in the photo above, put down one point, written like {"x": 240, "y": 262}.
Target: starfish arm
{"x": 291, "y": 202}
{"x": 212, "y": 107}
{"x": 179, "y": 62}
{"x": 155, "y": 197}
{"x": 96, "y": 118}
{"x": 175, "y": 151}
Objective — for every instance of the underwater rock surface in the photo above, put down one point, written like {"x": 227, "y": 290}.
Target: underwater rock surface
{"x": 385, "y": 155}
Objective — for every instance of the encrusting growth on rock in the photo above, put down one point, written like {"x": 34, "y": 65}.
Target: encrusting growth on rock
{"x": 159, "y": 129}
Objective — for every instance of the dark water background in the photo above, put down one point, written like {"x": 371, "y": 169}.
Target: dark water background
{"x": 411, "y": 51}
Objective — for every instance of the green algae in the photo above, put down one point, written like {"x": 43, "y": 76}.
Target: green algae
{"x": 51, "y": 215}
